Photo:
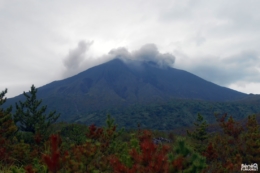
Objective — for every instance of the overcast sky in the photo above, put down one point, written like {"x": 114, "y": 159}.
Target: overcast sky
{"x": 43, "y": 41}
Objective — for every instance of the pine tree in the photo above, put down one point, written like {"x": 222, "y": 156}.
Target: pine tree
{"x": 184, "y": 159}
{"x": 200, "y": 134}
{"x": 7, "y": 131}
{"x": 31, "y": 117}
{"x": 7, "y": 126}
{"x": 2, "y": 101}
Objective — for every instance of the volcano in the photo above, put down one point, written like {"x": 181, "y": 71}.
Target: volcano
{"x": 117, "y": 83}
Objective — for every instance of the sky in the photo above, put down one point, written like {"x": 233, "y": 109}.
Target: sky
{"x": 44, "y": 41}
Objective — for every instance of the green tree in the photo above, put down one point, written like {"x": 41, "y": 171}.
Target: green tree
{"x": 7, "y": 126}
{"x": 185, "y": 159}
{"x": 200, "y": 134}
{"x": 2, "y": 101}
{"x": 31, "y": 116}
{"x": 7, "y": 131}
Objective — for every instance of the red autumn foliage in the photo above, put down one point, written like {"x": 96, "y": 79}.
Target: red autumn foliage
{"x": 29, "y": 169}
{"x": 224, "y": 151}
{"x": 5, "y": 153}
{"x": 151, "y": 159}
{"x": 230, "y": 127}
{"x": 53, "y": 160}
{"x": 210, "y": 153}
{"x": 94, "y": 132}
{"x": 38, "y": 138}
{"x": 178, "y": 163}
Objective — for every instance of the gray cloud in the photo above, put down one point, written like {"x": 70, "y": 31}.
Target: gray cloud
{"x": 121, "y": 53}
{"x": 148, "y": 52}
{"x": 244, "y": 17}
{"x": 244, "y": 66}
{"x": 77, "y": 61}
{"x": 76, "y": 56}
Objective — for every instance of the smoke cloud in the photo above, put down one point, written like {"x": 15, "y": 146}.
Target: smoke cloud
{"x": 77, "y": 61}
{"x": 149, "y": 52}
{"x": 146, "y": 53}
{"x": 76, "y": 56}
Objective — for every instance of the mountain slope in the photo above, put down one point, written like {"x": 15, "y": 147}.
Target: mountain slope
{"x": 125, "y": 83}
{"x": 116, "y": 84}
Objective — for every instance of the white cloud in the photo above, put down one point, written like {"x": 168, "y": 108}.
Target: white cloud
{"x": 245, "y": 87}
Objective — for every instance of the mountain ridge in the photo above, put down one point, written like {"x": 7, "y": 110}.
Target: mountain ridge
{"x": 116, "y": 84}
{"x": 111, "y": 71}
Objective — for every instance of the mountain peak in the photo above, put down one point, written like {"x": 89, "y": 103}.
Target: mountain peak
{"x": 119, "y": 83}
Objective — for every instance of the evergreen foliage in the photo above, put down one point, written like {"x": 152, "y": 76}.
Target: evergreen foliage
{"x": 31, "y": 117}
{"x": 2, "y": 101}
{"x": 7, "y": 131}
{"x": 185, "y": 159}
{"x": 200, "y": 134}
{"x": 7, "y": 126}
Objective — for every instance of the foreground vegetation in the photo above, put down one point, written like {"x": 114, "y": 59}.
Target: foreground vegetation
{"x": 63, "y": 147}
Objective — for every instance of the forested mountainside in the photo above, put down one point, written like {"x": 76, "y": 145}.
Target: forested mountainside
{"x": 117, "y": 85}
